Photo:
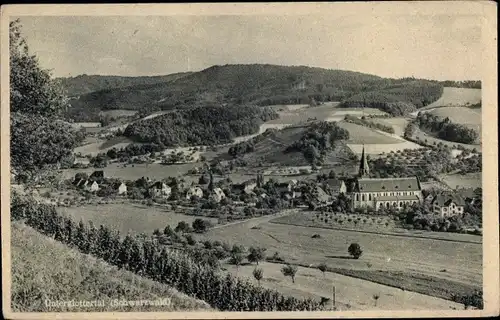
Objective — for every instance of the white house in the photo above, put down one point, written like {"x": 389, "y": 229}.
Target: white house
{"x": 91, "y": 186}
{"x": 194, "y": 191}
{"x": 217, "y": 195}
{"x": 121, "y": 188}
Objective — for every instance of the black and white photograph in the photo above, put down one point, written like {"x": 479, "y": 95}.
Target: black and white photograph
{"x": 195, "y": 160}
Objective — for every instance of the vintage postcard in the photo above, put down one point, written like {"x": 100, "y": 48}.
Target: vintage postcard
{"x": 251, "y": 160}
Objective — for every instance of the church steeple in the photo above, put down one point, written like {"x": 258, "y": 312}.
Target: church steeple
{"x": 364, "y": 170}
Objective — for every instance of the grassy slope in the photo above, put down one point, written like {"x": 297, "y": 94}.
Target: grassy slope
{"x": 461, "y": 115}
{"x": 43, "y": 268}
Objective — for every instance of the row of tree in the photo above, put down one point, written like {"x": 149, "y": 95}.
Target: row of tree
{"x": 148, "y": 258}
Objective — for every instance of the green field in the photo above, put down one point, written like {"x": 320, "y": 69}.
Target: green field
{"x": 133, "y": 218}
{"x": 456, "y": 97}
{"x": 470, "y": 180}
{"x": 102, "y": 146}
{"x": 360, "y": 134}
{"x": 398, "y": 123}
{"x": 461, "y": 115}
{"x": 119, "y": 113}
{"x": 155, "y": 171}
{"x": 299, "y": 114}
{"x": 429, "y": 139}
{"x": 462, "y": 261}
{"x": 43, "y": 268}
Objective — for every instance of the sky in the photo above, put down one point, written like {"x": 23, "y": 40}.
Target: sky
{"x": 442, "y": 47}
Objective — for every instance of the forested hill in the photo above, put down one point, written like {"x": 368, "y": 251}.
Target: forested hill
{"x": 84, "y": 84}
{"x": 258, "y": 84}
{"x": 203, "y": 125}
{"x": 399, "y": 99}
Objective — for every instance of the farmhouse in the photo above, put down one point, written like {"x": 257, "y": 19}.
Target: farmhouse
{"x": 246, "y": 187}
{"x": 448, "y": 205}
{"x": 160, "y": 189}
{"x": 121, "y": 188}
{"x": 336, "y": 186}
{"x": 194, "y": 191}
{"x": 320, "y": 195}
{"x": 384, "y": 192}
{"x": 88, "y": 184}
{"x": 217, "y": 195}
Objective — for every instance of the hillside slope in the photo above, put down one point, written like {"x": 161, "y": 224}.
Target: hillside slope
{"x": 43, "y": 268}
{"x": 259, "y": 84}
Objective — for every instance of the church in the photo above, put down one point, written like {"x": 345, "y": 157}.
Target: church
{"x": 383, "y": 192}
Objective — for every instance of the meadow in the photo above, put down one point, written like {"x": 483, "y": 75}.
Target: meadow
{"x": 154, "y": 171}
{"x": 119, "y": 113}
{"x": 461, "y": 115}
{"x": 456, "y": 97}
{"x": 391, "y": 253}
{"x": 102, "y": 146}
{"x": 429, "y": 140}
{"x": 43, "y": 268}
{"x": 469, "y": 180}
{"x": 127, "y": 217}
{"x": 351, "y": 293}
{"x": 359, "y": 134}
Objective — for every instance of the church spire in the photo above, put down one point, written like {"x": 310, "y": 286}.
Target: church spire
{"x": 364, "y": 170}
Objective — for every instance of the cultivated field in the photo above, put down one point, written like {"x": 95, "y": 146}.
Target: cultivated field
{"x": 469, "y": 180}
{"x": 411, "y": 256}
{"x": 43, "y": 268}
{"x": 133, "y": 218}
{"x": 456, "y": 97}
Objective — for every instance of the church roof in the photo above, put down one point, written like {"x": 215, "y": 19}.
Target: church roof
{"x": 387, "y": 184}
{"x": 396, "y": 198}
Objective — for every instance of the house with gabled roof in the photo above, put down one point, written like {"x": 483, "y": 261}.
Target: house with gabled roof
{"x": 447, "y": 205}
{"x": 335, "y": 186}
{"x": 160, "y": 189}
{"x": 120, "y": 187}
{"x": 194, "y": 191}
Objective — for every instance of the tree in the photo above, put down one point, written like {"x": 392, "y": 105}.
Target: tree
{"x": 322, "y": 267}
{"x": 38, "y": 138}
{"x": 200, "y": 225}
{"x": 355, "y": 250}
{"x": 375, "y": 298}
{"x": 256, "y": 255}
{"x": 182, "y": 226}
{"x": 258, "y": 274}
{"x": 289, "y": 271}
